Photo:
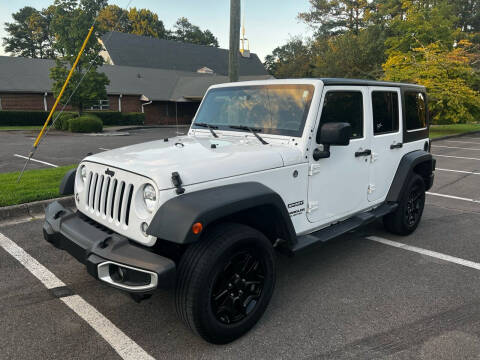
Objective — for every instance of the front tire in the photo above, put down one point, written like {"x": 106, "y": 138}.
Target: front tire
{"x": 405, "y": 219}
{"x": 225, "y": 282}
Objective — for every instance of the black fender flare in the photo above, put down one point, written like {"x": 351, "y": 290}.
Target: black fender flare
{"x": 173, "y": 221}
{"x": 408, "y": 165}
{"x": 67, "y": 186}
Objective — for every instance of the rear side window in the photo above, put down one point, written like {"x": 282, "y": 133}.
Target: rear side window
{"x": 385, "y": 112}
{"x": 415, "y": 110}
{"x": 343, "y": 106}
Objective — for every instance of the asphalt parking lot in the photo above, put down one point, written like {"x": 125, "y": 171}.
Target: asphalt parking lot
{"x": 366, "y": 295}
{"x": 61, "y": 148}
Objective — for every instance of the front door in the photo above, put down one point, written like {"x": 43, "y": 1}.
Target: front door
{"x": 387, "y": 140}
{"x": 338, "y": 185}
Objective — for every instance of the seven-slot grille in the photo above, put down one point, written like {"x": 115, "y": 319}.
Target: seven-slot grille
{"x": 108, "y": 197}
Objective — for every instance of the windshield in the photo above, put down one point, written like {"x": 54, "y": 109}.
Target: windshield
{"x": 273, "y": 109}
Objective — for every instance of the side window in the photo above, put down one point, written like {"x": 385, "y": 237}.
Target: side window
{"x": 343, "y": 106}
{"x": 415, "y": 110}
{"x": 385, "y": 112}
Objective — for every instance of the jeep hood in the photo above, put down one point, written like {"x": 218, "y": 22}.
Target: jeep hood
{"x": 195, "y": 159}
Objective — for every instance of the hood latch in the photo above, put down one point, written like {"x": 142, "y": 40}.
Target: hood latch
{"x": 177, "y": 182}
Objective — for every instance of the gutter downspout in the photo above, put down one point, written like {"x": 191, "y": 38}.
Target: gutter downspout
{"x": 45, "y": 106}
{"x": 145, "y": 104}
{"x": 120, "y": 103}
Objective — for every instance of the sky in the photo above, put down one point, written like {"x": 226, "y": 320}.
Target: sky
{"x": 268, "y": 23}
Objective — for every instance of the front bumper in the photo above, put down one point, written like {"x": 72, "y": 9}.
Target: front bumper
{"x": 107, "y": 254}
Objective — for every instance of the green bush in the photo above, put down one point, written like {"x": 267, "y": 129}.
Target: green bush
{"x": 61, "y": 122}
{"x": 117, "y": 118}
{"x": 22, "y": 118}
{"x": 85, "y": 124}
{"x": 35, "y": 118}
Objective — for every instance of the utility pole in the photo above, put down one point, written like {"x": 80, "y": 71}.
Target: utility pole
{"x": 234, "y": 40}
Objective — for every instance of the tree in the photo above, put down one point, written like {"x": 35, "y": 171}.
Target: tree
{"x": 184, "y": 31}
{"x": 468, "y": 14}
{"x": 350, "y": 55}
{"x": 145, "y": 23}
{"x": 447, "y": 75}
{"x": 114, "y": 18}
{"x": 71, "y": 23}
{"x": 336, "y": 16}
{"x": 29, "y": 34}
{"x": 422, "y": 23}
{"x": 292, "y": 60}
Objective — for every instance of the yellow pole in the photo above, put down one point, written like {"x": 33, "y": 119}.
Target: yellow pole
{"x": 63, "y": 88}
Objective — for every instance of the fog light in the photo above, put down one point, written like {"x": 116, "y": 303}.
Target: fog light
{"x": 77, "y": 197}
{"x": 144, "y": 228}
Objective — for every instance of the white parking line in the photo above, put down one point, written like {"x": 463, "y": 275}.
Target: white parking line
{"x": 426, "y": 252}
{"x": 453, "y": 197}
{"x": 454, "y": 147}
{"x": 459, "y": 171}
{"x": 121, "y": 343}
{"x": 463, "y": 142}
{"x": 42, "y": 162}
{"x": 456, "y": 157}
{"x": 104, "y": 149}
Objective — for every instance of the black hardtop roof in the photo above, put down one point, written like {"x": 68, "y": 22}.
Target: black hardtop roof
{"x": 360, "y": 82}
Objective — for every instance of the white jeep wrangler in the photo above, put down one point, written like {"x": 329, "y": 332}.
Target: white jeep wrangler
{"x": 277, "y": 164}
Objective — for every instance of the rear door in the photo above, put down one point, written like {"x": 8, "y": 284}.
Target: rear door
{"x": 386, "y": 110}
{"x": 338, "y": 184}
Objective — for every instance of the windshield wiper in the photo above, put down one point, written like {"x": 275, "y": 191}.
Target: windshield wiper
{"x": 209, "y": 127}
{"x": 254, "y": 131}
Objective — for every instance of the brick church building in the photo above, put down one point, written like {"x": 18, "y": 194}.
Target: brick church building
{"x": 164, "y": 79}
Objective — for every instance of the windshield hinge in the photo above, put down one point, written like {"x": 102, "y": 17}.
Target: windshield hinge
{"x": 314, "y": 169}
{"x": 312, "y": 206}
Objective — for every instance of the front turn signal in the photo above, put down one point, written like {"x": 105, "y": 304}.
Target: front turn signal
{"x": 197, "y": 228}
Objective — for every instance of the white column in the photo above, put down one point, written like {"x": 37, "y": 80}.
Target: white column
{"x": 45, "y": 105}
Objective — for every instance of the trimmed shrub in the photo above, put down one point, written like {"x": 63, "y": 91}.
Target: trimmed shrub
{"x": 85, "y": 124}
{"x": 62, "y": 122}
{"x": 117, "y": 118}
{"x": 34, "y": 118}
{"x": 22, "y": 118}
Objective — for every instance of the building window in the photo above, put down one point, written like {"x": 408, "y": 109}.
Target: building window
{"x": 98, "y": 105}
{"x": 385, "y": 112}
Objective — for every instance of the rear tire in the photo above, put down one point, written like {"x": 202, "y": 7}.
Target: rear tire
{"x": 225, "y": 282}
{"x": 405, "y": 219}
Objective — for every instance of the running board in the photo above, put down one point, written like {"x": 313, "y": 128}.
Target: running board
{"x": 343, "y": 227}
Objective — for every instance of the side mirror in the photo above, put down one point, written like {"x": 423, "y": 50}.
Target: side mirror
{"x": 337, "y": 133}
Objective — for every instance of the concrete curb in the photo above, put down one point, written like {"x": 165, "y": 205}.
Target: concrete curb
{"x": 456, "y": 135}
{"x": 32, "y": 209}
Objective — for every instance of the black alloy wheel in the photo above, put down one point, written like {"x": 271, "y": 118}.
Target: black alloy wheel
{"x": 238, "y": 287}
{"x": 225, "y": 282}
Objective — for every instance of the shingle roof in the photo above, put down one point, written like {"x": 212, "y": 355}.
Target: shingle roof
{"x": 133, "y": 50}
{"x": 32, "y": 75}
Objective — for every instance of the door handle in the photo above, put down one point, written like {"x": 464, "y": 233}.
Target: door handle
{"x": 396, "y": 146}
{"x": 363, "y": 153}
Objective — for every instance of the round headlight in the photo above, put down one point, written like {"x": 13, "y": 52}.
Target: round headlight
{"x": 83, "y": 173}
{"x": 150, "y": 197}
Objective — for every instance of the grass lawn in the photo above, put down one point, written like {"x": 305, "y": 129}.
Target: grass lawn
{"x": 35, "y": 185}
{"x": 20, "y": 128}
{"x": 444, "y": 130}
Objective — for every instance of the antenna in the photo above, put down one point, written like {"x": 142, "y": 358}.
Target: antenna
{"x": 243, "y": 39}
